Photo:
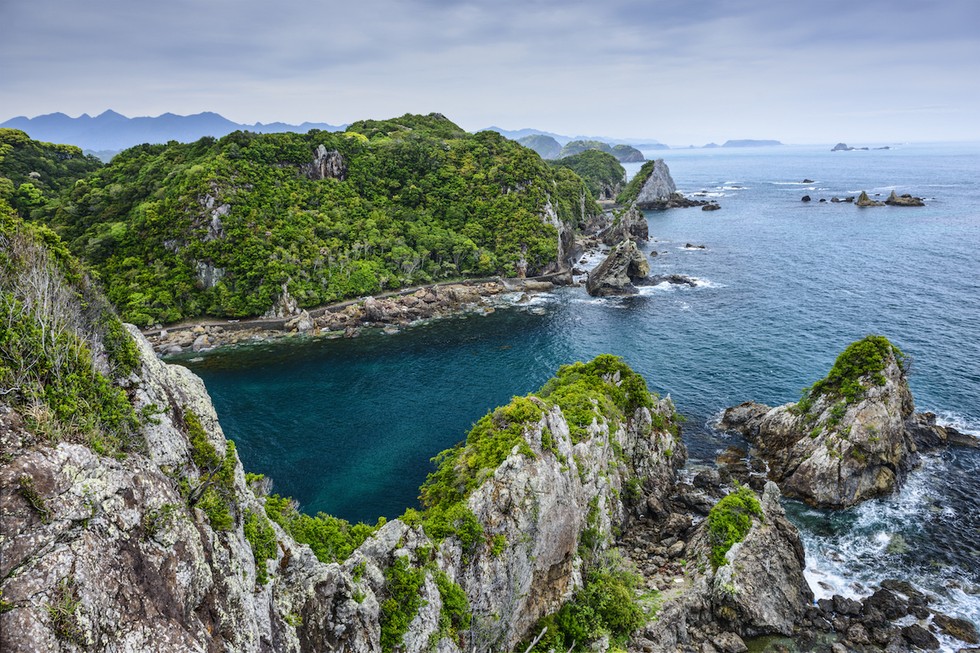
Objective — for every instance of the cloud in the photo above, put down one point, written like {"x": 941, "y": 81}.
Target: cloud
{"x": 620, "y": 67}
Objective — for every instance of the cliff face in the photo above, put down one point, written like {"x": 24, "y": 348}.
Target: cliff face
{"x": 157, "y": 548}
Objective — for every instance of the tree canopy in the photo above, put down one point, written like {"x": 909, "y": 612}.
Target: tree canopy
{"x": 221, "y": 226}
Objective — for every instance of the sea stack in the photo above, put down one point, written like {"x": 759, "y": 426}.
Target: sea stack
{"x": 849, "y": 438}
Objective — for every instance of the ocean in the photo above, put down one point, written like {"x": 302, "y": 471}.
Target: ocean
{"x": 348, "y": 427}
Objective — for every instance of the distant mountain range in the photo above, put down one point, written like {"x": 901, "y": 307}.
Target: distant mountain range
{"x": 111, "y": 131}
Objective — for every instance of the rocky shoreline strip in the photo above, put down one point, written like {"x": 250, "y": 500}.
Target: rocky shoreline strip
{"x": 390, "y": 311}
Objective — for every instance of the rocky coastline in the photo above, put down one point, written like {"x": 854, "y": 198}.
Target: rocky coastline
{"x": 390, "y": 312}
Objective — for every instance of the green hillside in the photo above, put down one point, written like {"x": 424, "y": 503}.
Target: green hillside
{"x": 221, "y": 226}
{"x": 601, "y": 171}
{"x": 32, "y": 172}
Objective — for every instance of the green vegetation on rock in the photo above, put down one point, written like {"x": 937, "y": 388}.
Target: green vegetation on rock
{"x": 601, "y": 171}
{"x": 261, "y": 537}
{"x": 403, "y": 585}
{"x": 635, "y": 185}
{"x": 605, "y": 606}
{"x": 63, "y": 351}
{"x": 729, "y": 521}
{"x": 332, "y": 539}
{"x": 222, "y": 227}
{"x": 858, "y": 366}
{"x": 603, "y": 389}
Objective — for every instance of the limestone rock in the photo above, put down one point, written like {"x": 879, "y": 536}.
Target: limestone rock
{"x": 762, "y": 589}
{"x": 631, "y": 224}
{"x": 658, "y": 188}
{"x": 616, "y": 274}
{"x": 836, "y": 452}
{"x": 326, "y": 164}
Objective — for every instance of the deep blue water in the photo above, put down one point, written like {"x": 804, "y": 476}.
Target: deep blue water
{"x": 348, "y": 426}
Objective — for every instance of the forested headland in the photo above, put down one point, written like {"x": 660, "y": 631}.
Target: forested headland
{"x": 224, "y": 227}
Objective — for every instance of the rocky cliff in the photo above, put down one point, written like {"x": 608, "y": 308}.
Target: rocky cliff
{"x": 851, "y": 437}
{"x": 146, "y": 534}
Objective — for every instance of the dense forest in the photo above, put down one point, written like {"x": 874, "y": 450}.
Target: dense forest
{"x": 601, "y": 171}
{"x": 31, "y": 171}
{"x": 222, "y": 226}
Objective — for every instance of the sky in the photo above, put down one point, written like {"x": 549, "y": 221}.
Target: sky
{"x": 677, "y": 71}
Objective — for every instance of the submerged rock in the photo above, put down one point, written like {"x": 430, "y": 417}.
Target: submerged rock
{"x": 616, "y": 274}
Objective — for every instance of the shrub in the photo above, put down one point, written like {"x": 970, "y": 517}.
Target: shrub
{"x": 331, "y": 538}
{"x": 403, "y": 585}
{"x": 261, "y": 537}
{"x": 729, "y": 521}
{"x": 860, "y": 363}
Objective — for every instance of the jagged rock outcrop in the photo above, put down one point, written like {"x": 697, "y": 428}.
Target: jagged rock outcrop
{"x": 616, "y": 274}
{"x": 759, "y": 588}
{"x": 658, "y": 188}
{"x": 903, "y": 200}
{"x": 630, "y": 224}
{"x": 848, "y": 439}
{"x": 326, "y": 164}
{"x": 864, "y": 200}
{"x": 122, "y": 553}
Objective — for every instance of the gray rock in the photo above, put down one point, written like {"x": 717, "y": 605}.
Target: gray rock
{"x": 837, "y": 453}
{"x": 616, "y": 274}
{"x": 630, "y": 224}
{"x": 657, "y": 189}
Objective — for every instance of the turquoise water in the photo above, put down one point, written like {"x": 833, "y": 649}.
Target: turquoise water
{"x": 348, "y": 426}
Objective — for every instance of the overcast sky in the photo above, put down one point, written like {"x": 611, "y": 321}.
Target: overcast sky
{"x": 679, "y": 71}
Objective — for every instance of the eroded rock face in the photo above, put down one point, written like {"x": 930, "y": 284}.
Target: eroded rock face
{"x": 836, "y": 452}
{"x": 115, "y": 542}
{"x": 631, "y": 224}
{"x": 326, "y": 164}
{"x": 658, "y": 188}
{"x": 759, "y": 590}
{"x": 111, "y": 546}
{"x": 616, "y": 274}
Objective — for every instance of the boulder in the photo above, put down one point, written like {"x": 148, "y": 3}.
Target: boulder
{"x": 961, "y": 629}
{"x": 805, "y": 198}
{"x": 710, "y": 206}
{"x": 616, "y": 274}
{"x": 846, "y": 440}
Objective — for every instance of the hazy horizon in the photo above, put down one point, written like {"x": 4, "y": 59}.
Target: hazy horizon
{"x": 880, "y": 71}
